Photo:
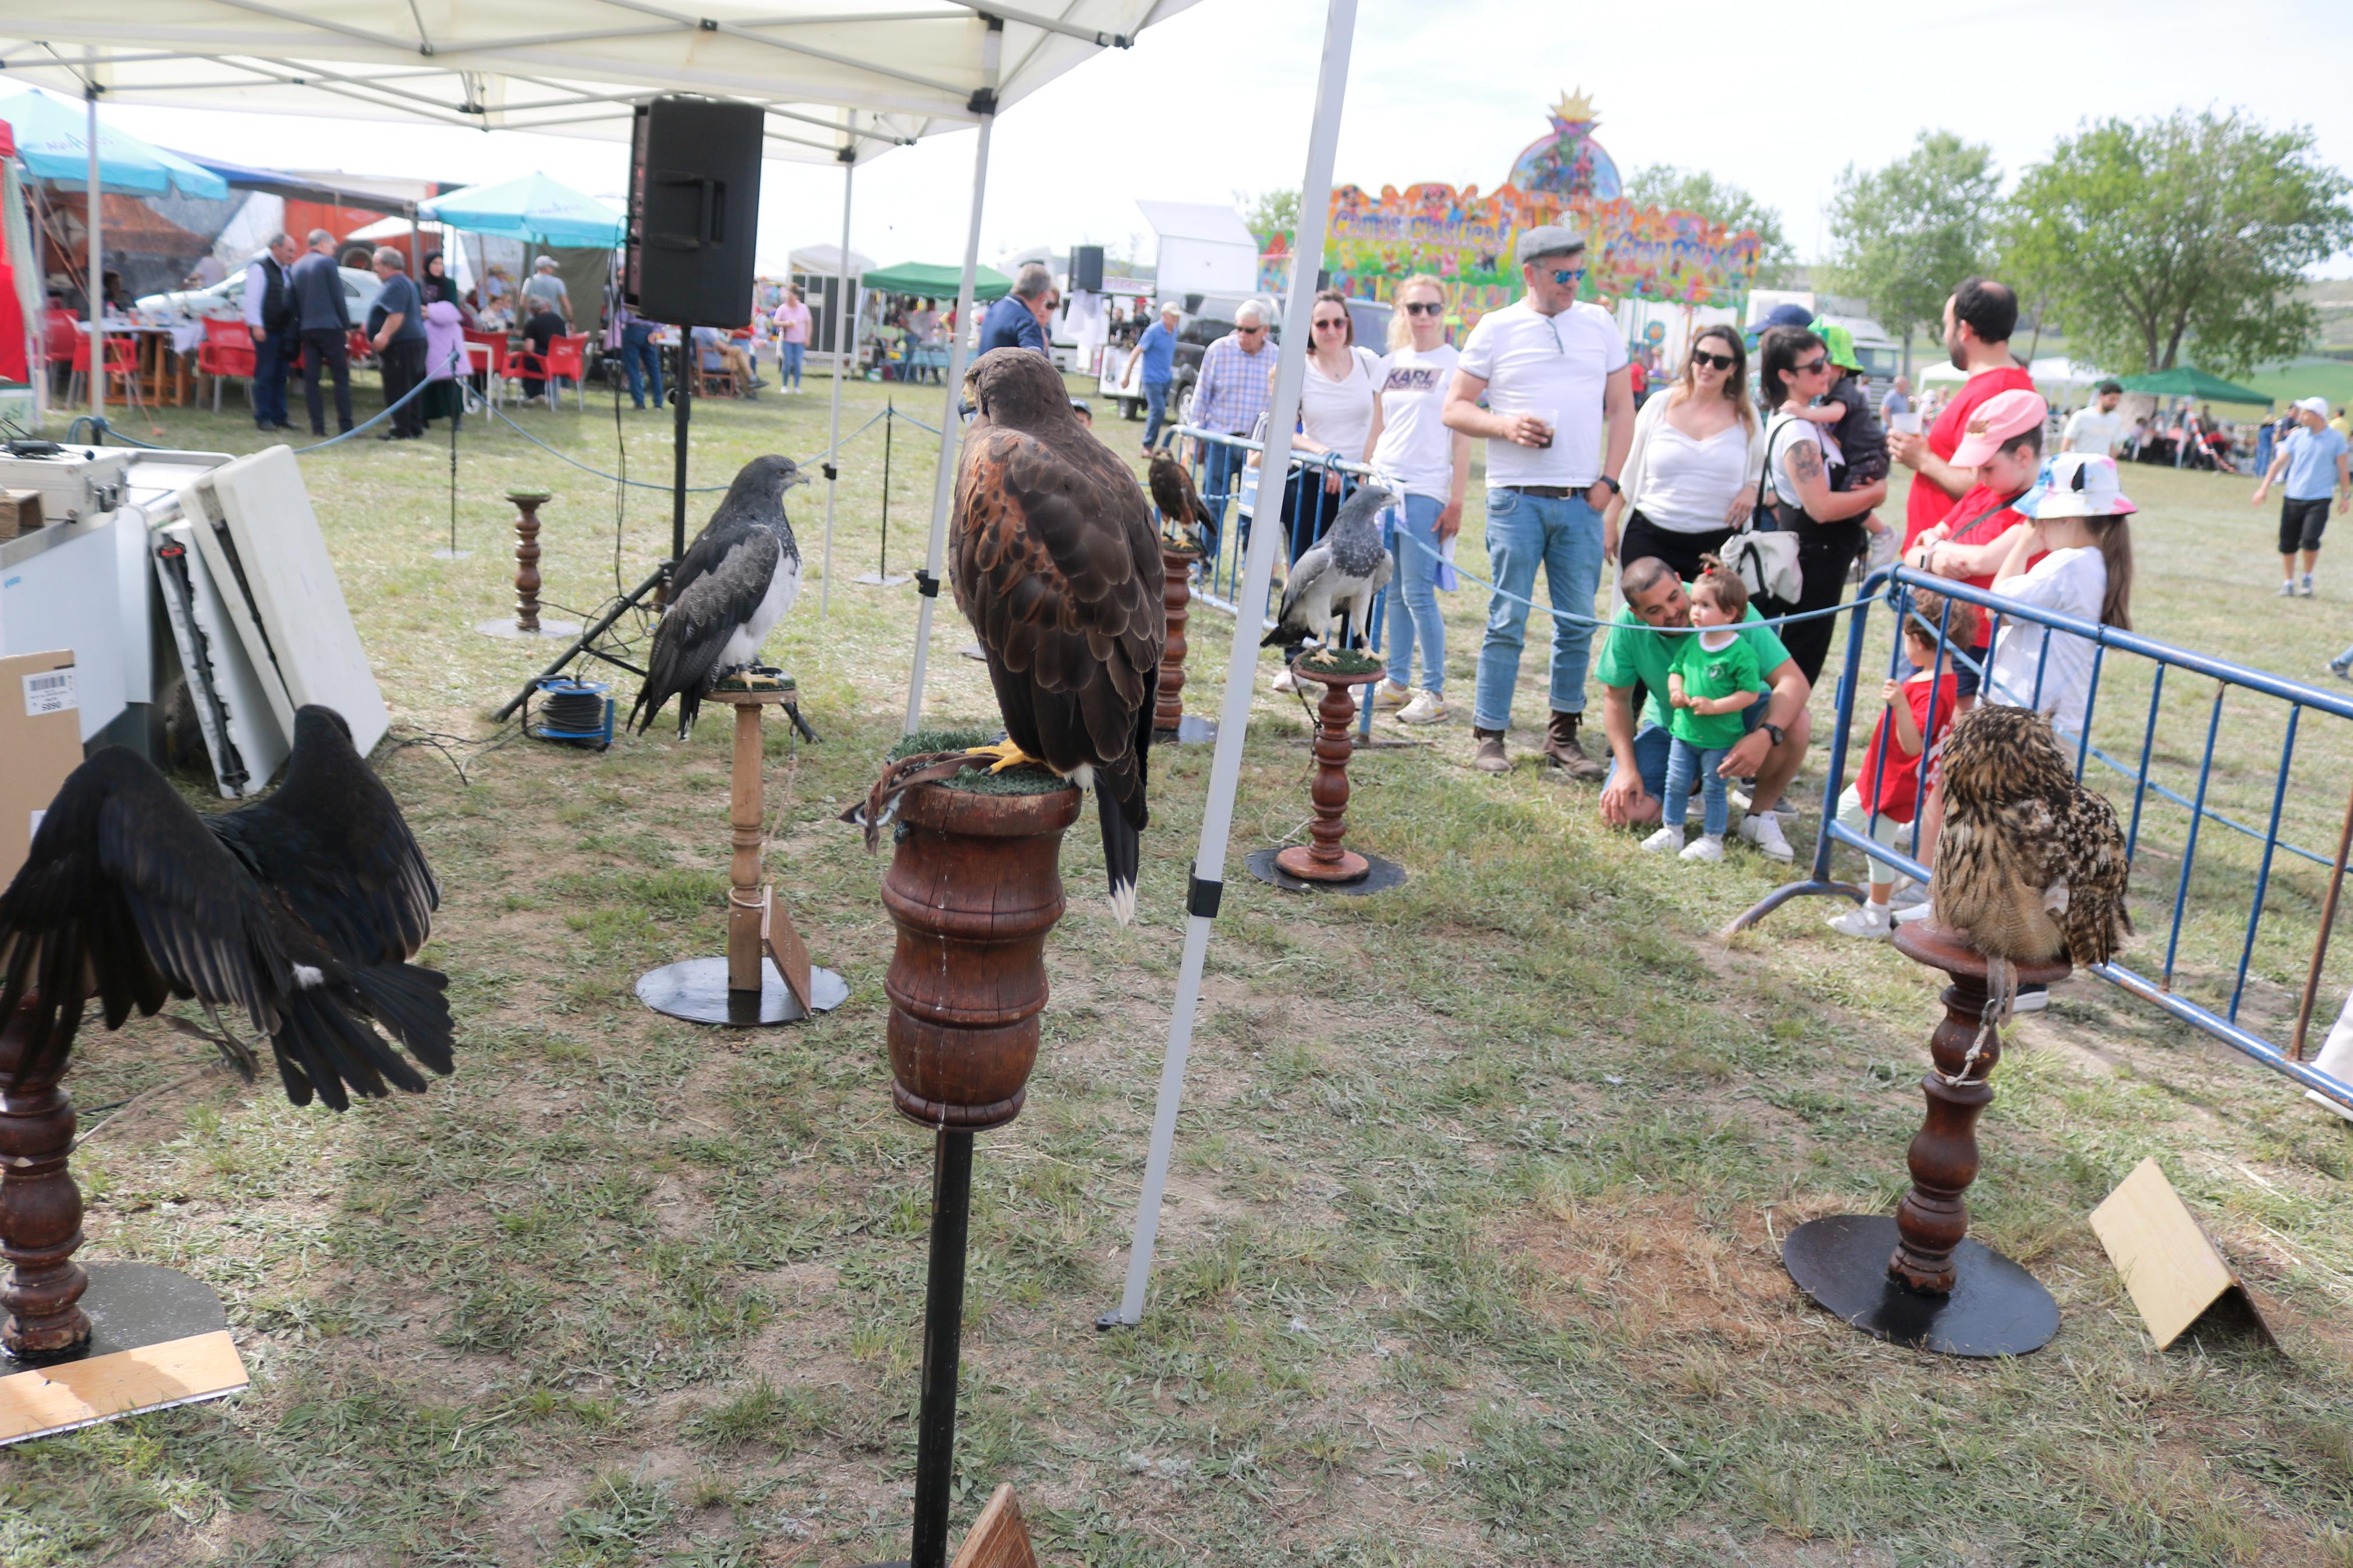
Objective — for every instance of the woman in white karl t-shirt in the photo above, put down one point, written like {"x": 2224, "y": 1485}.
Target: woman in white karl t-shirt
{"x": 2079, "y": 511}
{"x": 1336, "y": 415}
{"x": 1431, "y": 464}
{"x": 1691, "y": 474}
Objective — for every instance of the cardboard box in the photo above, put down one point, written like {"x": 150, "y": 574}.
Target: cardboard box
{"x": 20, "y": 513}
{"x": 41, "y": 736}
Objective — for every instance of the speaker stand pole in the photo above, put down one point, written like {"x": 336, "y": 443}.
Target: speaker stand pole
{"x": 684, "y": 402}
{"x": 927, "y": 581}
{"x": 845, "y": 319}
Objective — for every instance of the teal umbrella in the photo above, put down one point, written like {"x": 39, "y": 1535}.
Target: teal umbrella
{"x": 533, "y": 209}
{"x": 52, "y": 138}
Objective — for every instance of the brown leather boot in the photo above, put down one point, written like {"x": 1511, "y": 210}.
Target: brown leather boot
{"x": 1490, "y": 757}
{"x": 1561, "y": 750}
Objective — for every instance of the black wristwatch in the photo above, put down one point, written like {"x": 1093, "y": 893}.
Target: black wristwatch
{"x": 1615, "y": 488}
{"x": 1775, "y": 731}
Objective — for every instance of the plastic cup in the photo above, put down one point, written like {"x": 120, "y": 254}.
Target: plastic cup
{"x": 1906, "y": 424}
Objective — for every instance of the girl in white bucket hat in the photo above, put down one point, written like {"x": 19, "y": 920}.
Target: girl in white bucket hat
{"x": 2079, "y": 510}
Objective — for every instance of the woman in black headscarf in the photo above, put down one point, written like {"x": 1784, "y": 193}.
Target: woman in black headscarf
{"x": 434, "y": 283}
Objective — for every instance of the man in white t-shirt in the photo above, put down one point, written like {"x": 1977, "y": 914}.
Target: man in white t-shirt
{"x": 2098, "y": 426}
{"x": 1549, "y": 369}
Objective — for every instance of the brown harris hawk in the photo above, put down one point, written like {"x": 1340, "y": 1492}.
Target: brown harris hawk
{"x": 1053, "y": 559}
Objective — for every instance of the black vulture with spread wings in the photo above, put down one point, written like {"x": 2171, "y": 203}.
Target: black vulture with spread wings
{"x": 1053, "y": 559}
{"x": 300, "y": 910}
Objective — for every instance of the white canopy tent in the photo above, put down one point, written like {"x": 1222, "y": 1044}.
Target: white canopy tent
{"x": 842, "y": 80}
{"x": 1204, "y": 249}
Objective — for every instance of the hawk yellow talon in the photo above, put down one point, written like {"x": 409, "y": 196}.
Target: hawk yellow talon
{"x": 1008, "y": 755}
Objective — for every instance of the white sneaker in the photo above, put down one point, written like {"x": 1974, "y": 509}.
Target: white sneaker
{"x": 2341, "y": 669}
{"x": 1707, "y": 847}
{"x": 1665, "y": 838}
{"x": 1389, "y": 697}
{"x": 1764, "y": 832}
{"x": 1908, "y": 896}
{"x": 1905, "y": 914}
{"x": 1868, "y": 921}
{"x": 1426, "y": 708}
{"x": 2286, "y": 590}
{"x": 1284, "y": 680}
{"x": 2031, "y": 999}
{"x": 2306, "y": 586}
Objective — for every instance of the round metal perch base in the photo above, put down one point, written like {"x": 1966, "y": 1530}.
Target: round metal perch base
{"x": 453, "y": 555}
{"x": 695, "y": 989}
{"x": 1380, "y": 875}
{"x": 131, "y": 1306}
{"x": 509, "y": 628}
{"x": 1996, "y": 1308}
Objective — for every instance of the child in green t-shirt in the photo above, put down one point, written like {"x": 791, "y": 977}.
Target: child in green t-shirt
{"x": 1711, "y": 681}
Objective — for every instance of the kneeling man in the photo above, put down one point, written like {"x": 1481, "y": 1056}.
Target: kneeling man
{"x": 1631, "y": 658}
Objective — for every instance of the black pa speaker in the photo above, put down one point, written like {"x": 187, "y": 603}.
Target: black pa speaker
{"x": 694, "y": 210}
{"x": 1086, "y": 269}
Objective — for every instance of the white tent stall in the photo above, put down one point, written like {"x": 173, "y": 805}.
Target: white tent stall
{"x": 1204, "y": 249}
{"x": 842, "y": 81}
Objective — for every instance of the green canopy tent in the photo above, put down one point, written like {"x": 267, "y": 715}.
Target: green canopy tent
{"x": 2189, "y": 381}
{"x": 937, "y": 282}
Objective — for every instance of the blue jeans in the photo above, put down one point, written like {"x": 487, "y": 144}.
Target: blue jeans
{"x": 271, "y": 356}
{"x": 788, "y": 370}
{"x": 1155, "y": 410}
{"x": 1653, "y": 745}
{"x": 641, "y": 360}
{"x": 1416, "y": 598}
{"x": 1222, "y": 469}
{"x": 1563, "y": 535}
{"x": 1685, "y": 763}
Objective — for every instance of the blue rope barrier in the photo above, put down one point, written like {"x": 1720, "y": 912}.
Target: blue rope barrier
{"x": 103, "y": 427}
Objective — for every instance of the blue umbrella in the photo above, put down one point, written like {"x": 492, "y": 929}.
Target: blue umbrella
{"x": 52, "y": 138}
{"x": 532, "y": 208}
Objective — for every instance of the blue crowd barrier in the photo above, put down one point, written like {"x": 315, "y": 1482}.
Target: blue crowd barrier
{"x": 2221, "y": 1021}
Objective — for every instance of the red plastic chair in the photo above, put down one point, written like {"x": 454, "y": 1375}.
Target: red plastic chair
{"x": 565, "y": 357}
{"x": 227, "y": 350}
{"x": 122, "y": 366}
{"x": 496, "y": 343}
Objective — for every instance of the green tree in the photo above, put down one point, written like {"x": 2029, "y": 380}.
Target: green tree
{"x": 1718, "y": 201}
{"x": 1903, "y": 237}
{"x": 2185, "y": 236}
{"x": 1269, "y": 213}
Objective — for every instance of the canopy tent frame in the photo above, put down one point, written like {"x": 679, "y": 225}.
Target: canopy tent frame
{"x": 1206, "y": 883}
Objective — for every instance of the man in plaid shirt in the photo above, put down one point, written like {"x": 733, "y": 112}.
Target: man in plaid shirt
{"x": 1235, "y": 385}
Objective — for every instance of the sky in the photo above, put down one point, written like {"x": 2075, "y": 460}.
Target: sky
{"x": 1216, "y": 100}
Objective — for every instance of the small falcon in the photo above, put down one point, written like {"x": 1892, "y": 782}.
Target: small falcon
{"x": 2030, "y": 863}
{"x": 739, "y": 577}
{"x": 1337, "y": 577}
{"x": 302, "y": 910}
{"x": 1053, "y": 559}
{"x": 1183, "y": 521}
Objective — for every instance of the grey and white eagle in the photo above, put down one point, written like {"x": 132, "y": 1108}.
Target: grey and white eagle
{"x": 1337, "y": 577}
{"x": 739, "y": 577}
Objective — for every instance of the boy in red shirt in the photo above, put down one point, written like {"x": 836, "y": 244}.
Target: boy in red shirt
{"x": 1885, "y": 792}
{"x": 2002, "y": 447}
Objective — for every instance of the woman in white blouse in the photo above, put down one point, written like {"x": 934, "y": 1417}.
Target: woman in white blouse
{"x": 1691, "y": 474}
{"x": 1336, "y": 415}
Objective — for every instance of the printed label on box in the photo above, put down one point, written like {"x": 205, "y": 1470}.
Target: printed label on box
{"x": 52, "y": 692}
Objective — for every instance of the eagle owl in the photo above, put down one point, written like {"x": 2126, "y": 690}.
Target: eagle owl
{"x": 2030, "y": 863}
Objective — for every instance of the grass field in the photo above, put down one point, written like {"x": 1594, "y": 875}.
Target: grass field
{"x": 2316, "y": 377}
{"x": 1471, "y": 1254}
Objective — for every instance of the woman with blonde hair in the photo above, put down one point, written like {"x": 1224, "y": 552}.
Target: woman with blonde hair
{"x": 1430, "y": 467}
{"x": 1691, "y": 474}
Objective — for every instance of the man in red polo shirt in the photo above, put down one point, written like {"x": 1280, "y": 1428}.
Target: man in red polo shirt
{"x": 1978, "y": 319}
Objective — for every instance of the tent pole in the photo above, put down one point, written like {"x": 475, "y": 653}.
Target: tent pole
{"x": 951, "y": 426}
{"x": 1233, "y": 722}
{"x": 94, "y": 281}
{"x": 844, "y": 314}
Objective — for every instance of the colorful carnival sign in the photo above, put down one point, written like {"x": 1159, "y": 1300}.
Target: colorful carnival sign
{"x": 1465, "y": 239}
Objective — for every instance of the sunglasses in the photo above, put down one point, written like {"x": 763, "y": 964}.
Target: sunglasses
{"x": 1810, "y": 366}
{"x": 1424, "y": 307}
{"x": 1719, "y": 362}
{"x": 1336, "y": 323}
{"x": 1566, "y": 276}
{"x": 1249, "y": 331}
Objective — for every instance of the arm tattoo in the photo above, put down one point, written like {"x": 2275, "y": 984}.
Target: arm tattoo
{"x": 1805, "y": 463}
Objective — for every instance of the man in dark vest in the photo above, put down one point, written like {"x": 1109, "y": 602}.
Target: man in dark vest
{"x": 326, "y": 326}
{"x": 271, "y": 317}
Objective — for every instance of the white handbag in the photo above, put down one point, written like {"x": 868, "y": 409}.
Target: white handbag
{"x": 1765, "y": 560}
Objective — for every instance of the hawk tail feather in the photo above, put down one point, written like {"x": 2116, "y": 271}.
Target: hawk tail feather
{"x": 1122, "y": 847}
